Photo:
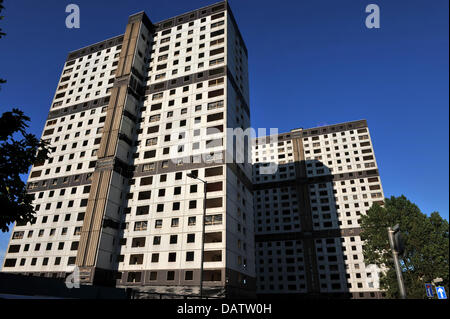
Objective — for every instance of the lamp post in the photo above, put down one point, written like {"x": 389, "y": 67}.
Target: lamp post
{"x": 397, "y": 248}
{"x": 194, "y": 176}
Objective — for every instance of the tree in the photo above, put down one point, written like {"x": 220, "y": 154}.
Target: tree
{"x": 18, "y": 151}
{"x": 426, "y": 241}
{"x": 16, "y": 156}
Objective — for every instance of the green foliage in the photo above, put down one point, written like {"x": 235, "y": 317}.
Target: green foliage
{"x": 426, "y": 242}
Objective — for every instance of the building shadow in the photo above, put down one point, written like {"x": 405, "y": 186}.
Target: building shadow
{"x": 300, "y": 253}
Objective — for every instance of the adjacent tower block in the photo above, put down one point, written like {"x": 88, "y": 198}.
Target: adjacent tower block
{"x": 307, "y": 214}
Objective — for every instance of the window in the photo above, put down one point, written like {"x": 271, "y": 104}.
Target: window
{"x": 189, "y": 256}
{"x": 134, "y": 276}
{"x": 157, "y": 96}
{"x": 192, "y": 204}
{"x": 153, "y": 275}
{"x": 216, "y": 42}
{"x": 215, "y": 82}
{"x": 173, "y": 239}
{"x": 215, "y": 237}
{"x": 190, "y": 238}
{"x": 142, "y": 225}
{"x": 214, "y": 171}
{"x": 18, "y": 235}
{"x": 171, "y": 275}
{"x": 144, "y": 195}
{"x": 189, "y": 275}
{"x": 142, "y": 210}
{"x": 216, "y": 61}
{"x": 155, "y": 118}
{"x": 214, "y": 202}
{"x": 214, "y": 117}
{"x": 153, "y": 129}
{"x": 172, "y": 257}
{"x": 213, "y": 219}
{"x": 157, "y": 240}
{"x": 137, "y": 259}
{"x": 216, "y": 51}
{"x": 138, "y": 242}
{"x": 213, "y": 256}
{"x": 191, "y": 221}
{"x": 215, "y": 93}
{"x": 146, "y": 181}
{"x": 11, "y": 262}
{"x": 74, "y": 245}
{"x": 216, "y": 33}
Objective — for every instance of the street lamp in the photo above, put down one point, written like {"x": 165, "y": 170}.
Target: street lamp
{"x": 194, "y": 175}
{"x": 397, "y": 249}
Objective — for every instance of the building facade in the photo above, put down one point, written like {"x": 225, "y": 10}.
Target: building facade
{"x": 307, "y": 214}
{"x": 131, "y": 117}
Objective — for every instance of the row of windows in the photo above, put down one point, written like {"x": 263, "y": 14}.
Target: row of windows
{"x": 11, "y": 262}
{"x": 289, "y": 287}
{"x": 161, "y": 75}
{"x": 88, "y": 85}
{"x": 59, "y": 205}
{"x": 80, "y": 114}
{"x": 48, "y": 246}
{"x": 326, "y": 136}
{"x": 175, "y": 222}
{"x": 68, "y": 168}
{"x": 89, "y": 122}
{"x": 211, "y": 94}
{"x": 209, "y": 256}
{"x": 169, "y": 23}
{"x": 51, "y": 231}
{"x": 90, "y": 56}
{"x": 208, "y": 275}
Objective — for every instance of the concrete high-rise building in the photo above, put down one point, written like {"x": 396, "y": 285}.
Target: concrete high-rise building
{"x": 307, "y": 214}
{"x": 131, "y": 117}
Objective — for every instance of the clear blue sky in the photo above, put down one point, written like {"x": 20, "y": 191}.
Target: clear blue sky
{"x": 313, "y": 59}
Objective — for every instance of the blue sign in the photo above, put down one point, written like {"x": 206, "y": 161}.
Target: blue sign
{"x": 429, "y": 289}
{"x": 440, "y": 291}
